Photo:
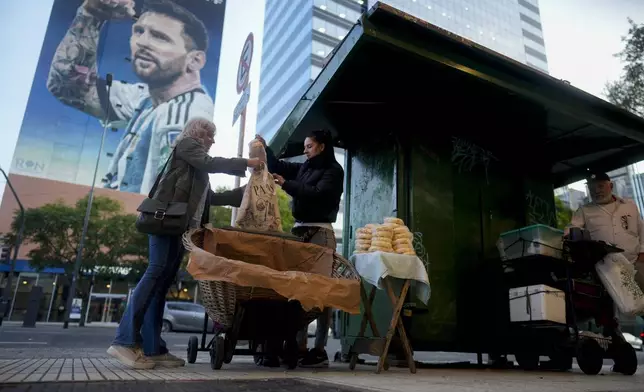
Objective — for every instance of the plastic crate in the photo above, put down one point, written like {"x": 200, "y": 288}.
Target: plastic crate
{"x": 530, "y": 241}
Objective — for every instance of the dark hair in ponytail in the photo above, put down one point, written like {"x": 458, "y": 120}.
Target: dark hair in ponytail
{"x": 323, "y": 136}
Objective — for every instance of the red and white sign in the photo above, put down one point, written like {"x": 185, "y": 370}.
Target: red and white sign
{"x": 243, "y": 71}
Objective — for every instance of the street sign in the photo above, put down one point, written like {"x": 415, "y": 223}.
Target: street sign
{"x": 243, "y": 70}
{"x": 241, "y": 105}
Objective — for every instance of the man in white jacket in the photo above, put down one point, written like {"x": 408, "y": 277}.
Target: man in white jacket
{"x": 617, "y": 221}
{"x": 613, "y": 220}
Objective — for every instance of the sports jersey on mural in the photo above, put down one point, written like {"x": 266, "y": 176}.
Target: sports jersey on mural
{"x": 164, "y": 64}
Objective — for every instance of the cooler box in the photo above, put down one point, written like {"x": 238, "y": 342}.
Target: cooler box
{"x": 538, "y": 303}
{"x": 529, "y": 241}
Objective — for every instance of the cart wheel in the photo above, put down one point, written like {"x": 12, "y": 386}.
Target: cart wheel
{"x": 625, "y": 359}
{"x": 229, "y": 350}
{"x": 590, "y": 356}
{"x": 217, "y": 353}
{"x": 527, "y": 361}
{"x": 193, "y": 348}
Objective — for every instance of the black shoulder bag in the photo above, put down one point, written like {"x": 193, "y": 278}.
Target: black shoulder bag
{"x": 163, "y": 218}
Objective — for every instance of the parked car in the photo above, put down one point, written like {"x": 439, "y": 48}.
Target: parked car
{"x": 633, "y": 341}
{"x": 184, "y": 317}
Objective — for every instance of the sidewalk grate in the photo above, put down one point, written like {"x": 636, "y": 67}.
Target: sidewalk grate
{"x": 268, "y": 385}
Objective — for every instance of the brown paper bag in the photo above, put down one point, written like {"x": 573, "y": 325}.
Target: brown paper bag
{"x": 259, "y": 208}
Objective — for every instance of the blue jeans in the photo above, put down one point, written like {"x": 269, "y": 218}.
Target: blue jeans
{"x": 143, "y": 317}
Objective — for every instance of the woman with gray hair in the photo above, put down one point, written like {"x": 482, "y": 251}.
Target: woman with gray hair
{"x": 138, "y": 342}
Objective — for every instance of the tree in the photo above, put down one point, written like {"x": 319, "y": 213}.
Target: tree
{"x": 564, "y": 214}
{"x": 628, "y": 91}
{"x": 220, "y": 216}
{"x": 284, "y": 201}
{"x": 54, "y": 230}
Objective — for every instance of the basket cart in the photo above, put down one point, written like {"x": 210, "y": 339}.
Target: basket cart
{"x": 257, "y": 315}
{"x": 573, "y": 272}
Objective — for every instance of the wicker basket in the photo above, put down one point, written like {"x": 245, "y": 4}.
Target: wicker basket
{"x": 221, "y": 298}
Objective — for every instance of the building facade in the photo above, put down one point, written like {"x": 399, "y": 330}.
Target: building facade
{"x": 106, "y": 296}
{"x": 510, "y": 27}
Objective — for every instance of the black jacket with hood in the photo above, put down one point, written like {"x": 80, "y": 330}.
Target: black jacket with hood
{"x": 316, "y": 186}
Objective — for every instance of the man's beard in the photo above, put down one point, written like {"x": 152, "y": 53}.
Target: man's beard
{"x": 161, "y": 76}
{"x": 602, "y": 199}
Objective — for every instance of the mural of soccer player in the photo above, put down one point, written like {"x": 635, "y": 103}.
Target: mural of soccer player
{"x": 168, "y": 48}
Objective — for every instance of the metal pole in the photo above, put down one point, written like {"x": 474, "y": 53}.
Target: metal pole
{"x": 240, "y": 153}
{"x": 88, "y": 212}
{"x": 51, "y": 300}
{"x": 4, "y": 300}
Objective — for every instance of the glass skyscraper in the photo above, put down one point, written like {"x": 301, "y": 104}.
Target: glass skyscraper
{"x": 300, "y": 34}
{"x": 510, "y": 27}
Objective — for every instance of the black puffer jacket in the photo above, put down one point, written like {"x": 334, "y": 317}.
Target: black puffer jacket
{"x": 315, "y": 186}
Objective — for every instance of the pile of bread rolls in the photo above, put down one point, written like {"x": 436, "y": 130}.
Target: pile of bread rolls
{"x": 391, "y": 237}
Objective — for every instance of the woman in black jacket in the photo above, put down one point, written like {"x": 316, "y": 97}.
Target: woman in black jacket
{"x": 316, "y": 187}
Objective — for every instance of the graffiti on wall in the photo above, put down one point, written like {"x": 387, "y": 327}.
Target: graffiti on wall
{"x": 420, "y": 250}
{"x": 539, "y": 210}
{"x": 466, "y": 156}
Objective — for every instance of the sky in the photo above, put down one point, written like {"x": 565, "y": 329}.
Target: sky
{"x": 581, "y": 37}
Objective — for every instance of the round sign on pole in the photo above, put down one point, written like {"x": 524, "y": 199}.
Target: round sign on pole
{"x": 243, "y": 71}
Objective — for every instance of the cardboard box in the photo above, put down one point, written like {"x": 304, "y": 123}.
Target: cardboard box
{"x": 537, "y": 304}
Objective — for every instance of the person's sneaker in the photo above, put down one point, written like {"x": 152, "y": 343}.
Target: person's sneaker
{"x": 131, "y": 357}
{"x": 167, "y": 360}
{"x": 315, "y": 359}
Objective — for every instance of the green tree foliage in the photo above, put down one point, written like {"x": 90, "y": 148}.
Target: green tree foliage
{"x": 54, "y": 230}
{"x": 284, "y": 201}
{"x": 220, "y": 216}
{"x": 564, "y": 214}
{"x": 628, "y": 91}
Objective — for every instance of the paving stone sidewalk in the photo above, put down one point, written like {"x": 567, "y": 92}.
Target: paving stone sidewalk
{"x": 86, "y": 372}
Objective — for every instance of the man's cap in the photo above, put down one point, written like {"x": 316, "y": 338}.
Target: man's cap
{"x": 597, "y": 176}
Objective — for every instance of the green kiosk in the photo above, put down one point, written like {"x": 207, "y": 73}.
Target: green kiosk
{"x": 461, "y": 143}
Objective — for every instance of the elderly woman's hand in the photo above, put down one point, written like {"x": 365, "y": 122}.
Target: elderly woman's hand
{"x": 255, "y": 163}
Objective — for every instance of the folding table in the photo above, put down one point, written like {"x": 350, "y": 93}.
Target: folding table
{"x": 381, "y": 269}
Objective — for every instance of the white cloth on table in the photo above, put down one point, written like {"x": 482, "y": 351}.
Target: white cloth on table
{"x": 375, "y": 267}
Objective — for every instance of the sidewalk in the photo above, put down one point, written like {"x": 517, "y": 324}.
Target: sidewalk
{"x": 88, "y": 371}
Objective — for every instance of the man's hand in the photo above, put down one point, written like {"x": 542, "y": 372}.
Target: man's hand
{"x": 261, "y": 140}
{"x": 110, "y": 9}
{"x": 640, "y": 258}
{"x": 254, "y": 163}
{"x": 279, "y": 180}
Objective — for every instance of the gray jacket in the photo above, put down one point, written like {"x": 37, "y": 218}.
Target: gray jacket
{"x": 179, "y": 185}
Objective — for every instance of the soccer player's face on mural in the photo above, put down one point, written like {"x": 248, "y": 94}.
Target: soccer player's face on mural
{"x": 160, "y": 53}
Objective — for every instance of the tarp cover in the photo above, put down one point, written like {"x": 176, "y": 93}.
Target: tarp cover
{"x": 295, "y": 270}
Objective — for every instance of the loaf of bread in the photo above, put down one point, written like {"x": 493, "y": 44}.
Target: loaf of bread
{"x": 381, "y": 249}
{"x": 394, "y": 221}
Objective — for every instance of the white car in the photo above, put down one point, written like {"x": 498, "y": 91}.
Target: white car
{"x": 633, "y": 341}
{"x": 313, "y": 326}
